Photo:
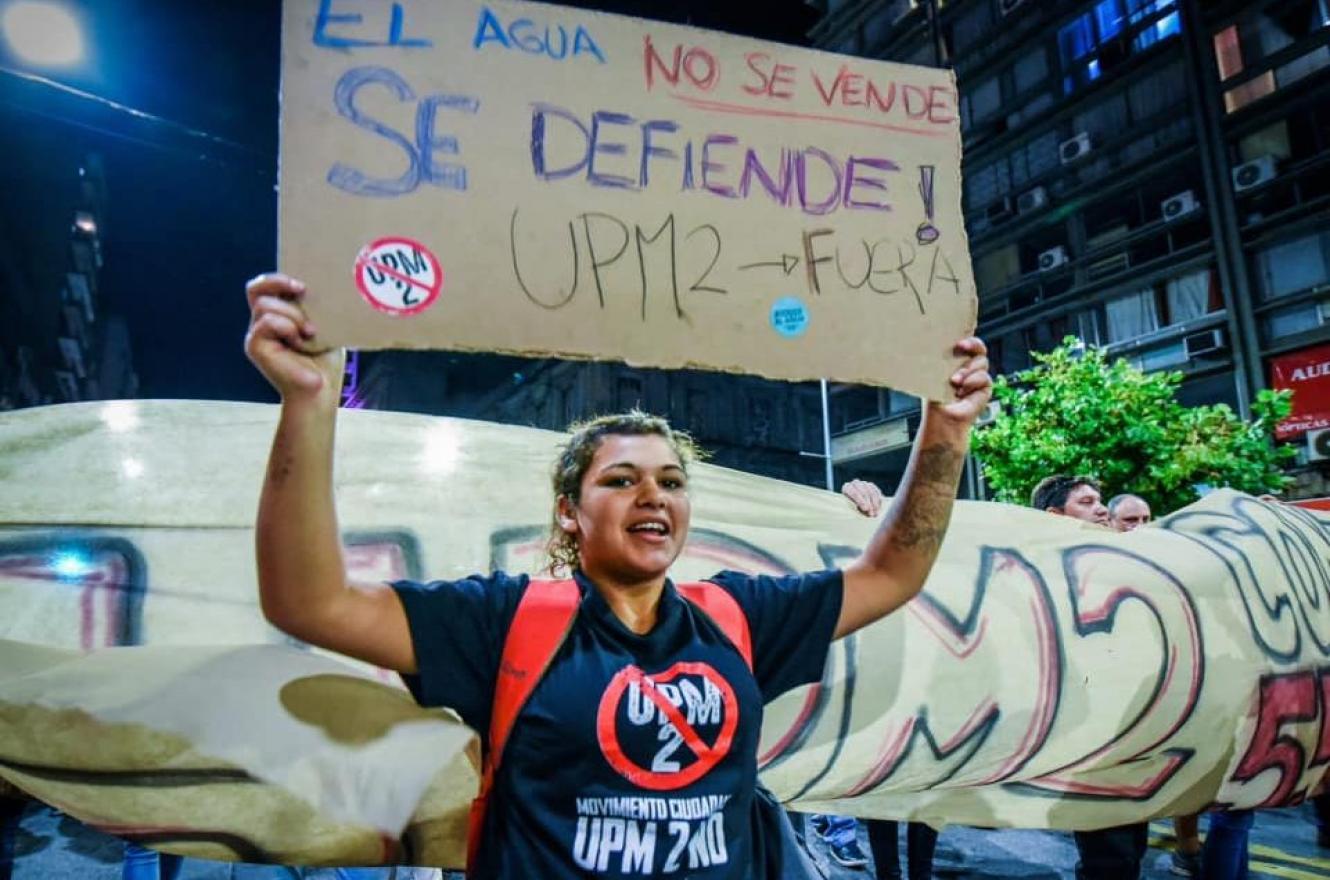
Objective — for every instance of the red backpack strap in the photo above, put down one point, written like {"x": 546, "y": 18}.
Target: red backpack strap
{"x": 724, "y": 609}
{"x": 544, "y": 616}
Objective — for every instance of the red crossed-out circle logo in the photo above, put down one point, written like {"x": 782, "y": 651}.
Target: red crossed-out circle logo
{"x": 667, "y": 775}
{"x": 398, "y": 276}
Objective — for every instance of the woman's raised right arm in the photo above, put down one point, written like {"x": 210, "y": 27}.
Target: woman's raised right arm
{"x": 303, "y": 586}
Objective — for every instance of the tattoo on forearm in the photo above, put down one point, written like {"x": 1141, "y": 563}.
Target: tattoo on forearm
{"x": 939, "y": 464}
{"x": 923, "y": 519}
{"x": 923, "y": 523}
{"x": 280, "y": 462}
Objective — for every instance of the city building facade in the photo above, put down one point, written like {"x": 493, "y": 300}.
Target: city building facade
{"x": 58, "y": 343}
{"x": 1150, "y": 176}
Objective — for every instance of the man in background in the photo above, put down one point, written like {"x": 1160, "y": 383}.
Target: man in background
{"x": 1109, "y": 853}
{"x": 1127, "y": 512}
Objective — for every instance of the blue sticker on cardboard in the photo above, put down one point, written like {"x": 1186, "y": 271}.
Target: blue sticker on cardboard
{"x": 789, "y": 317}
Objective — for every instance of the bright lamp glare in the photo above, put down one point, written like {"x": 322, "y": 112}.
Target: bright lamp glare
{"x": 42, "y": 32}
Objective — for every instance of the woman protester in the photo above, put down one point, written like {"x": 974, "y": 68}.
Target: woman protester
{"x": 635, "y": 751}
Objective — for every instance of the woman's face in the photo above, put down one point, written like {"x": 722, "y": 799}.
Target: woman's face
{"x": 632, "y": 519}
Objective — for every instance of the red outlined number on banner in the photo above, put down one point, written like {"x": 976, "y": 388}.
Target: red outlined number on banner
{"x": 398, "y": 276}
{"x": 1287, "y": 701}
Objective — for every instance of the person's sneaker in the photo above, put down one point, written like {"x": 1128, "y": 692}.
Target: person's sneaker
{"x": 848, "y": 854}
{"x": 820, "y": 824}
{"x": 1185, "y": 864}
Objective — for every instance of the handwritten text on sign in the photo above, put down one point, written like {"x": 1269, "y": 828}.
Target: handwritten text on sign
{"x": 599, "y": 186}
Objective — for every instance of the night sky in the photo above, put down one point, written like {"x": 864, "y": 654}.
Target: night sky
{"x": 192, "y": 207}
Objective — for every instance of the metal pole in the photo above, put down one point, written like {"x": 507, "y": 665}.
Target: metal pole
{"x": 935, "y": 34}
{"x": 826, "y": 438}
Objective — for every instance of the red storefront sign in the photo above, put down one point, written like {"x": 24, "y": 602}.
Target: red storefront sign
{"x": 1307, "y": 373}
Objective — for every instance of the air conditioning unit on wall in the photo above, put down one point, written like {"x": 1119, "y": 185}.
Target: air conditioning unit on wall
{"x": 1254, "y": 173}
{"x": 992, "y": 410}
{"x": 1178, "y": 206}
{"x": 1053, "y": 258}
{"x": 1318, "y": 445}
{"x": 1075, "y": 148}
{"x": 1206, "y": 342}
{"x": 1031, "y": 200}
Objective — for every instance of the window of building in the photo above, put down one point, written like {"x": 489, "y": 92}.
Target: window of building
{"x": 1294, "y": 266}
{"x": 900, "y": 402}
{"x": 997, "y": 268}
{"x": 850, "y": 44}
{"x": 971, "y": 26}
{"x": 985, "y": 100}
{"x": 1097, "y": 41}
{"x": 1042, "y": 153}
{"x": 1269, "y": 30}
{"x": 1272, "y": 140}
{"x": 1173, "y": 301}
{"x": 1109, "y": 220}
{"x": 877, "y": 26}
{"x": 1087, "y": 327}
{"x": 1203, "y": 390}
{"x": 1132, "y": 316}
{"x": 1104, "y": 119}
{"x": 1161, "y": 91}
{"x": 854, "y": 407}
{"x": 925, "y": 55}
{"x": 1297, "y": 319}
{"x": 1165, "y": 26}
{"x": 1030, "y": 70}
{"x": 990, "y": 183}
{"x": 1191, "y": 296}
{"x": 1162, "y": 357}
{"x": 1013, "y": 353}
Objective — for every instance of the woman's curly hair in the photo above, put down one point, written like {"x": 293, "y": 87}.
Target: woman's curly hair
{"x": 575, "y": 458}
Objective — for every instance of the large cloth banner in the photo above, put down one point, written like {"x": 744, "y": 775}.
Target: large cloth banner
{"x": 1053, "y": 673}
{"x": 522, "y": 177}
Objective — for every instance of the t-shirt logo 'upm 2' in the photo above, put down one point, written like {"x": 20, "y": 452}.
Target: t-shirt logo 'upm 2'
{"x": 666, "y": 731}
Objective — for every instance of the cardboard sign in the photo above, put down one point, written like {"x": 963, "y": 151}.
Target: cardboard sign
{"x": 1052, "y": 674}
{"x": 532, "y": 179}
{"x": 1307, "y": 374}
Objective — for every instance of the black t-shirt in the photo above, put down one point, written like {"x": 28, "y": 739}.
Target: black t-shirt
{"x": 636, "y": 756}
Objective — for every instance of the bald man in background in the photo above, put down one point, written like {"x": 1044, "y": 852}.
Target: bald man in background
{"x": 1127, "y": 512}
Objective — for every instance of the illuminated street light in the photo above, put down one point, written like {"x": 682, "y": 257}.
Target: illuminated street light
{"x": 42, "y": 32}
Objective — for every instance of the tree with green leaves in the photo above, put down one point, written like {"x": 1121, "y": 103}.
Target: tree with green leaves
{"x": 1077, "y": 412}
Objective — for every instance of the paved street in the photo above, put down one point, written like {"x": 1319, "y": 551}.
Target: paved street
{"x": 1283, "y": 845}
{"x": 1283, "y": 848}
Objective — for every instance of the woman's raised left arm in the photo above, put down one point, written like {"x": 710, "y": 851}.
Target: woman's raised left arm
{"x": 893, "y": 567}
